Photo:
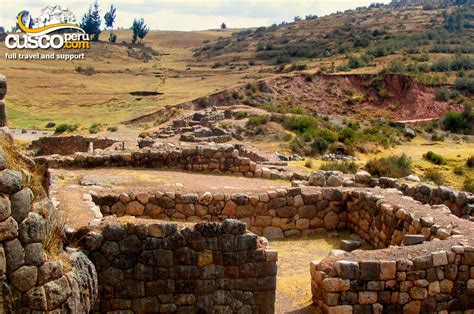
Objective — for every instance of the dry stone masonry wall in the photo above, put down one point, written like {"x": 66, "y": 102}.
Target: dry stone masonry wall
{"x": 3, "y": 109}
{"x": 209, "y": 268}
{"x": 200, "y": 158}
{"x": 460, "y": 204}
{"x": 32, "y": 279}
{"x": 277, "y": 213}
{"x": 437, "y": 281}
{"x": 68, "y": 145}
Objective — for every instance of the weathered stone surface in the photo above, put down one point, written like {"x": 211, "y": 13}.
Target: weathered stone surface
{"x": 233, "y": 226}
{"x": 114, "y": 232}
{"x": 57, "y": 292}
{"x": 15, "y": 254}
{"x": 11, "y": 181}
{"x": 347, "y": 269}
{"x": 273, "y": 233}
{"x": 5, "y": 208}
{"x": 362, "y": 177}
{"x": 331, "y": 221}
{"x": 411, "y": 239}
{"x": 21, "y": 204}
{"x": 50, "y": 271}
{"x": 334, "y": 181}
{"x": 336, "y": 284}
{"x": 8, "y": 229}
{"x": 32, "y": 229}
{"x": 369, "y": 270}
{"x": 3, "y": 261}
{"x": 24, "y": 278}
{"x": 34, "y": 254}
{"x": 317, "y": 179}
{"x": 35, "y": 299}
{"x": 134, "y": 208}
{"x": 332, "y": 194}
{"x": 93, "y": 241}
{"x": 350, "y": 245}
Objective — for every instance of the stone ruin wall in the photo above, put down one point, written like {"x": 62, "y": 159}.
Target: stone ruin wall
{"x": 68, "y": 145}
{"x": 208, "y": 268}
{"x": 274, "y": 214}
{"x": 460, "y": 204}
{"x": 436, "y": 276}
{"x": 30, "y": 277}
{"x": 200, "y": 158}
{"x": 3, "y": 109}
{"x": 437, "y": 281}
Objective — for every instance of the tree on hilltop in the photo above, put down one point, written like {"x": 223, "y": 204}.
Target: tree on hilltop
{"x": 223, "y": 25}
{"x": 140, "y": 30}
{"x": 110, "y": 16}
{"x": 91, "y": 21}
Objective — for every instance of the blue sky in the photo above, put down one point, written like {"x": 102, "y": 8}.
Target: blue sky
{"x": 191, "y": 14}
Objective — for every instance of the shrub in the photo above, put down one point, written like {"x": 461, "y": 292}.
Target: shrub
{"x": 343, "y": 166}
{"x": 320, "y": 145}
{"x": 299, "y": 124}
{"x": 437, "y": 137}
{"x": 64, "y": 127}
{"x": 89, "y": 70}
{"x": 112, "y": 129}
{"x": 470, "y": 162}
{"x": 392, "y": 166}
{"x": 203, "y": 102}
{"x": 444, "y": 94}
{"x": 257, "y": 121}
{"x": 95, "y": 128}
{"x": 468, "y": 185}
{"x": 50, "y": 125}
{"x": 465, "y": 84}
{"x": 112, "y": 38}
{"x": 356, "y": 62}
{"x": 240, "y": 115}
{"x": 308, "y": 163}
{"x": 455, "y": 122}
{"x": 441, "y": 65}
{"x": 434, "y": 158}
{"x": 435, "y": 176}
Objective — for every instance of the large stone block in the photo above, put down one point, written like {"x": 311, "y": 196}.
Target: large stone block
{"x": 11, "y": 181}
{"x": 32, "y": 229}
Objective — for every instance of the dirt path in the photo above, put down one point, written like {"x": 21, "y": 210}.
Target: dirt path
{"x": 293, "y": 280}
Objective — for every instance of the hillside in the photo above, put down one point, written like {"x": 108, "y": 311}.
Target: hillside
{"x": 118, "y": 81}
{"x": 377, "y": 31}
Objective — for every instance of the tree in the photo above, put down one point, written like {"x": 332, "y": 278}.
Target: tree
{"x": 140, "y": 30}
{"x": 223, "y": 26}
{"x": 91, "y": 21}
{"x": 110, "y": 16}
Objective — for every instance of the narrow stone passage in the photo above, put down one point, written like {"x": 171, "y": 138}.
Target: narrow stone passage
{"x": 293, "y": 293}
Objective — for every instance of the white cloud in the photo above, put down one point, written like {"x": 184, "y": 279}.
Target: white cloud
{"x": 191, "y": 14}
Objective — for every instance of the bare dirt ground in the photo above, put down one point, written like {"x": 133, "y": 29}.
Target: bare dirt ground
{"x": 71, "y": 185}
{"x": 294, "y": 280}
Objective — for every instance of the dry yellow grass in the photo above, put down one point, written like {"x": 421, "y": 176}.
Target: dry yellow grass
{"x": 51, "y": 90}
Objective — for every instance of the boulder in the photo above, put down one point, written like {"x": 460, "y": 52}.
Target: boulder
{"x": 362, "y": 177}
{"x": 317, "y": 179}
{"x": 350, "y": 245}
{"x": 334, "y": 181}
